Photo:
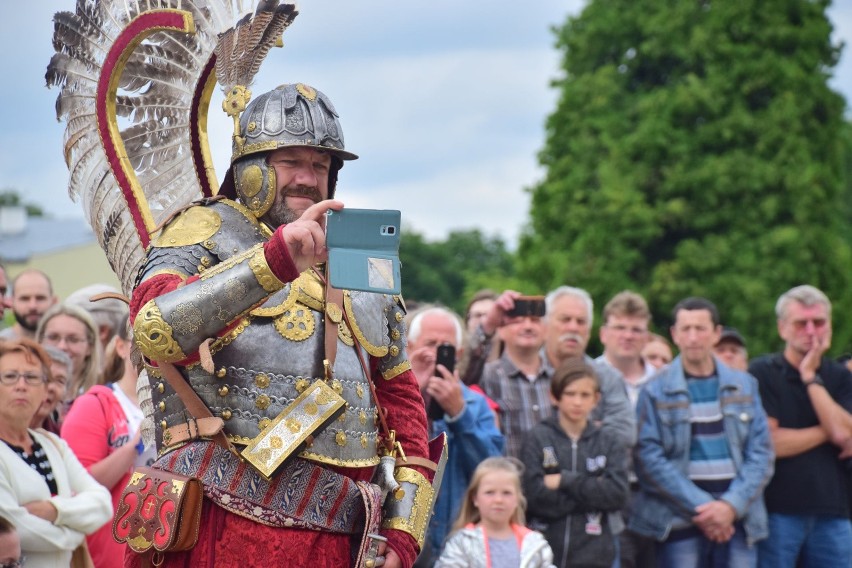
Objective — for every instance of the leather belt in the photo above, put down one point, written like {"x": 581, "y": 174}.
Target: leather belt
{"x": 192, "y": 429}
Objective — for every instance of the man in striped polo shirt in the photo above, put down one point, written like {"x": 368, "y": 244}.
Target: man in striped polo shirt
{"x": 704, "y": 453}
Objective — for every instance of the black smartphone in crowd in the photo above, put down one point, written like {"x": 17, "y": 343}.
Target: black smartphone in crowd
{"x": 446, "y": 356}
{"x": 532, "y": 306}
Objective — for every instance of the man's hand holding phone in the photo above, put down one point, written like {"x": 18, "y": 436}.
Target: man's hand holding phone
{"x": 305, "y": 237}
{"x": 510, "y": 305}
{"x": 444, "y": 387}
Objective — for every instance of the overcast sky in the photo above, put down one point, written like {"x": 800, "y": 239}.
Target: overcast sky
{"x": 444, "y": 101}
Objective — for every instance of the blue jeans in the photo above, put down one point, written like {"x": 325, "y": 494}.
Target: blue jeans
{"x": 813, "y": 540}
{"x": 699, "y": 552}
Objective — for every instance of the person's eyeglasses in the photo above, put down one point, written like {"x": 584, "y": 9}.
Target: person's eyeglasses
{"x": 14, "y": 563}
{"x": 56, "y": 339}
{"x": 10, "y": 378}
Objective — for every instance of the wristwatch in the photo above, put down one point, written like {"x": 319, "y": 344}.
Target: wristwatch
{"x": 817, "y": 380}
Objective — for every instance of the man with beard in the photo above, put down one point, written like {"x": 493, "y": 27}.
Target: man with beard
{"x": 233, "y": 293}
{"x": 32, "y": 295}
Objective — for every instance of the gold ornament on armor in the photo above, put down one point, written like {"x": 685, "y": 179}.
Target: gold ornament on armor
{"x": 251, "y": 181}
{"x": 345, "y": 335}
{"x": 296, "y": 324}
{"x": 154, "y": 336}
{"x": 260, "y": 268}
{"x": 195, "y": 225}
{"x": 261, "y": 380}
{"x": 263, "y": 402}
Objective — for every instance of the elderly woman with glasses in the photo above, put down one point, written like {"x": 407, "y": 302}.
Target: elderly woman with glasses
{"x": 44, "y": 490}
{"x": 71, "y": 329}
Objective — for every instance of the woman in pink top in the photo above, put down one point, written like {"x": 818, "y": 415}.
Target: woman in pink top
{"x": 102, "y": 428}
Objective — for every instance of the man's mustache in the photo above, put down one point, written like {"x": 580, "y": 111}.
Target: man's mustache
{"x": 311, "y": 193}
{"x": 569, "y": 336}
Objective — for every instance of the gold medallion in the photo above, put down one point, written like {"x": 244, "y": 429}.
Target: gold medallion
{"x": 296, "y": 324}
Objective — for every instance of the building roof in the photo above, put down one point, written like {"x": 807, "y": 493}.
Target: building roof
{"x": 42, "y": 235}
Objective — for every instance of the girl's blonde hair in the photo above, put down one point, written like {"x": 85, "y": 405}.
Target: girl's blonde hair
{"x": 469, "y": 513}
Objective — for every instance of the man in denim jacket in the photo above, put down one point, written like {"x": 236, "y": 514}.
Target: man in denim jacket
{"x": 704, "y": 452}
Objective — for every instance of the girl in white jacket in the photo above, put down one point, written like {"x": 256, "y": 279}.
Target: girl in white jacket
{"x": 490, "y": 531}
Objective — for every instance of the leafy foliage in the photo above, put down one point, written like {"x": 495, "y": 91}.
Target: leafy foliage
{"x": 10, "y": 198}
{"x": 449, "y": 271}
{"x": 696, "y": 149}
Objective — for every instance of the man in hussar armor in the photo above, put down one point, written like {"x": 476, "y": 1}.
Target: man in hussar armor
{"x": 232, "y": 293}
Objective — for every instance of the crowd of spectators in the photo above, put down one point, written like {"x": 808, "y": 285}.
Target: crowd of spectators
{"x": 726, "y": 462}
{"x": 71, "y": 422}
{"x": 650, "y": 453}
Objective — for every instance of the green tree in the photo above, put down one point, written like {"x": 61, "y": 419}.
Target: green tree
{"x": 448, "y": 271}
{"x": 10, "y": 198}
{"x": 696, "y": 149}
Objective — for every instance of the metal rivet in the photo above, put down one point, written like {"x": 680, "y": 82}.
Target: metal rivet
{"x": 261, "y": 380}
{"x": 223, "y": 391}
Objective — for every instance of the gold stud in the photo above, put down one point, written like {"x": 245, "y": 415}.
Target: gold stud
{"x": 359, "y": 390}
{"x": 398, "y": 316}
{"x": 340, "y": 438}
{"x": 394, "y": 350}
{"x": 362, "y": 417}
{"x": 226, "y": 414}
{"x": 221, "y": 372}
{"x": 264, "y": 422}
{"x": 262, "y": 402}
{"x": 261, "y": 380}
{"x": 364, "y": 441}
{"x": 162, "y": 406}
{"x": 161, "y": 387}
{"x": 301, "y": 385}
{"x": 395, "y": 335}
{"x": 223, "y": 391}
{"x": 164, "y": 424}
{"x": 337, "y": 386}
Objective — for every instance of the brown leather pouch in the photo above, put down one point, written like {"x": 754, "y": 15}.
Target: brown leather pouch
{"x": 159, "y": 510}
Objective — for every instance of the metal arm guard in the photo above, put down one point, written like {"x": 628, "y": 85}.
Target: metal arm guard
{"x": 411, "y": 512}
{"x": 175, "y": 324}
{"x": 409, "y": 508}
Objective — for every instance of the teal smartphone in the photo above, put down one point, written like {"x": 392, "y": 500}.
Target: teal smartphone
{"x": 363, "y": 250}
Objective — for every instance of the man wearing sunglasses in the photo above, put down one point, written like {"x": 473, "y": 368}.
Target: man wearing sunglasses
{"x": 808, "y": 398}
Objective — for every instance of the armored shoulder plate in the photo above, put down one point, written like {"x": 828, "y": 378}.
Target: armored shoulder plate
{"x": 192, "y": 226}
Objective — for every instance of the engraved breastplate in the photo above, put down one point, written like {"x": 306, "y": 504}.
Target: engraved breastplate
{"x": 274, "y": 355}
